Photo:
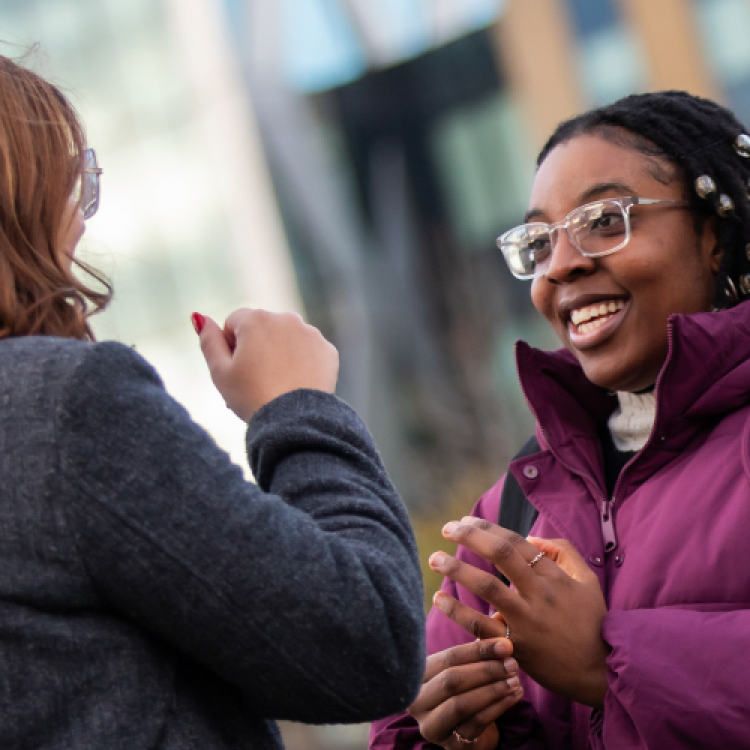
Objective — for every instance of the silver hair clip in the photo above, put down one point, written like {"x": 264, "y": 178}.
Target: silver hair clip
{"x": 742, "y": 145}
{"x": 704, "y": 186}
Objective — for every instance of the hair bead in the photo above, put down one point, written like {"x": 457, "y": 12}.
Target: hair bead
{"x": 725, "y": 205}
{"x": 742, "y": 145}
{"x": 704, "y": 186}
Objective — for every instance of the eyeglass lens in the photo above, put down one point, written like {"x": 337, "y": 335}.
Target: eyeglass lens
{"x": 594, "y": 229}
{"x": 90, "y": 185}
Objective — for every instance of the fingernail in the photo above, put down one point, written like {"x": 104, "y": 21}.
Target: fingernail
{"x": 439, "y": 600}
{"x": 437, "y": 560}
{"x": 510, "y": 665}
{"x": 503, "y": 648}
{"x": 449, "y": 528}
{"x": 513, "y": 682}
{"x": 198, "y": 322}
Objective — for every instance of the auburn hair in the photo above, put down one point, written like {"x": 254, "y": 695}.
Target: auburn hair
{"x": 42, "y": 143}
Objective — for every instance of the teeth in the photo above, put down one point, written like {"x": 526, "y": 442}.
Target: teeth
{"x": 581, "y": 316}
{"x": 592, "y": 326}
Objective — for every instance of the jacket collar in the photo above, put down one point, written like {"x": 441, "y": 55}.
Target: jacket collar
{"x": 706, "y": 375}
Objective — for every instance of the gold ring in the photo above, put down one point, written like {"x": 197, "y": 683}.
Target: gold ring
{"x": 463, "y": 739}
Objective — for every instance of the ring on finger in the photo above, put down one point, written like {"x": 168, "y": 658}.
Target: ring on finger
{"x": 463, "y": 739}
{"x": 536, "y": 559}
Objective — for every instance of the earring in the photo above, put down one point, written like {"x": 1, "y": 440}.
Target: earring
{"x": 745, "y": 284}
{"x": 731, "y": 292}
{"x": 742, "y": 145}
{"x": 704, "y": 186}
{"x": 725, "y": 205}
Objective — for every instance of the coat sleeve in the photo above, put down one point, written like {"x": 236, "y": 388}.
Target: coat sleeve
{"x": 304, "y": 590}
{"x": 677, "y": 679}
{"x": 401, "y": 732}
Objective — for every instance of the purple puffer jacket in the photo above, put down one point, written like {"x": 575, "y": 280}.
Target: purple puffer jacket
{"x": 677, "y": 583}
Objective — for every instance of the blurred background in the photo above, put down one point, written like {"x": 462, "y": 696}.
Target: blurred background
{"x": 353, "y": 160}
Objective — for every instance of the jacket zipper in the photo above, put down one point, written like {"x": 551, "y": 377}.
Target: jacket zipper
{"x": 606, "y": 505}
{"x": 606, "y": 517}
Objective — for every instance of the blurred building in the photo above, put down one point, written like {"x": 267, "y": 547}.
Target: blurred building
{"x": 187, "y": 220}
{"x": 401, "y": 137}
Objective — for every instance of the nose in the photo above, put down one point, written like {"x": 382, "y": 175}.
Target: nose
{"x": 566, "y": 261}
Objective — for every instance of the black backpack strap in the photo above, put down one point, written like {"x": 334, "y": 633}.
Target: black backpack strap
{"x": 516, "y": 512}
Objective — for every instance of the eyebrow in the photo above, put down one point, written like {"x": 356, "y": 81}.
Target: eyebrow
{"x": 591, "y": 193}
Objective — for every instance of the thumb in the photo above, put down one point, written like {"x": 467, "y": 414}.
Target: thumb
{"x": 214, "y": 346}
{"x": 566, "y": 556}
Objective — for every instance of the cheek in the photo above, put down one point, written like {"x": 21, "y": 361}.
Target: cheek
{"x": 72, "y": 231}
{"x": 542, "y": 298}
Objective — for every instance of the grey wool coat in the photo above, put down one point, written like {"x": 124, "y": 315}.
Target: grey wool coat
{"x": 151, "y": 597}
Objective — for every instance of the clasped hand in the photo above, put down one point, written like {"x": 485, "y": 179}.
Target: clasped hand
{"x": 554, "y": 617}
{"x": 260, "y": 355}
{"x": 554, "y": 611}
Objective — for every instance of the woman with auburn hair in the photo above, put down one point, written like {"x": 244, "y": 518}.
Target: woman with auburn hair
{"x": 150, "y": 596}
{"x": 628, "y": 621}
{"x": 43, "y": 166}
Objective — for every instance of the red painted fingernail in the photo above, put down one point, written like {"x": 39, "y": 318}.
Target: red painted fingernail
{"x": 198, "y": 322}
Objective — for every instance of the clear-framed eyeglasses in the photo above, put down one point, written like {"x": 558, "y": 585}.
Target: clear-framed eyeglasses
{"x": 89, "y": 184}
{"x": 595, "y": 229}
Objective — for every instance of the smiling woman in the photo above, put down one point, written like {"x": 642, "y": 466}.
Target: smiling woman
{"x": 664, "y": 267}
{"x": 637, "y": 242}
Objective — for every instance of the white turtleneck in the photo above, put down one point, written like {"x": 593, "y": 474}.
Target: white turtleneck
{"x": 631, "y": 423}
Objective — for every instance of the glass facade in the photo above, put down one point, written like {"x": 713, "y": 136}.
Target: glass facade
{"x": 724, "y": 27}
{"x": 609, "y": 58}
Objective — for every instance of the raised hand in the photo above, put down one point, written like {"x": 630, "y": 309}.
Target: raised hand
{"x": 260, "y": 355}
{"x": 465, "y": 688}
{"x": 554, "y": 612}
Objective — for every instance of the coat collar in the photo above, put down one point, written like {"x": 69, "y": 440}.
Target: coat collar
{"x": 706, "y": 375}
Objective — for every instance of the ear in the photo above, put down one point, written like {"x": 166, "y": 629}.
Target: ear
{"x": 709, "y": 242}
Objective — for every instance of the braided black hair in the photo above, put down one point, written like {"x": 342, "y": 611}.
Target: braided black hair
{"x": 697, "y": 137}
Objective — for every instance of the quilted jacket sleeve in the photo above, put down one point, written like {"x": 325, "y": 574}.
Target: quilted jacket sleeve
{"x": 677, "y": 679}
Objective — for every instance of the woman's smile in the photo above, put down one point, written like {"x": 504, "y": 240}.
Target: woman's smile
{"x": 592, "y": 321}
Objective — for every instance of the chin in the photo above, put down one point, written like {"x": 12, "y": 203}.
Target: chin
{"x": 619, "y": 379}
